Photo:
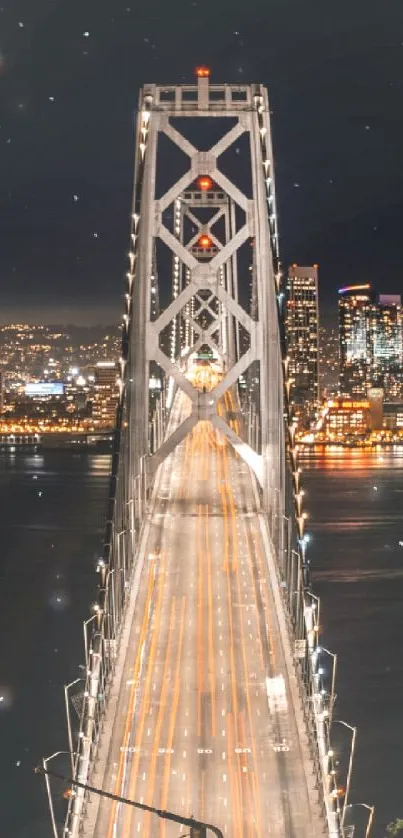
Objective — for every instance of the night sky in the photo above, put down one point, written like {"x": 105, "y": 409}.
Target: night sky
{"x": 70, "y": 71}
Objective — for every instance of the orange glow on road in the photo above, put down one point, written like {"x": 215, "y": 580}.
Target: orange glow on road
{"x": 193, "y": 657}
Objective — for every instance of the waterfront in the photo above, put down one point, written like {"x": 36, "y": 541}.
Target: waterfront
{"x": 355, "y": 499}
{"x": 52, "y": 513}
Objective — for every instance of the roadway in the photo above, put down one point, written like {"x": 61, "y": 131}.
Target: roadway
{"x": 205, "y": 723}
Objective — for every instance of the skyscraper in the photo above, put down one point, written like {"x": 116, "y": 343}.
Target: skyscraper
{"x": 371, "y": 348}
{"x": 302, "y": 328}
{"x": 355, "y": 308}
{"x": 388, "y": 345}
{"x": 106, "y": 394}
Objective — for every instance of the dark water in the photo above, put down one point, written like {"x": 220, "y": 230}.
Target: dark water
{"x": 355, "y": 500}
{"x": 48, "y": 546}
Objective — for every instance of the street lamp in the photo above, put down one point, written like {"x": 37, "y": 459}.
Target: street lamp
{"x": 371, "y": 810}
{"x": 85, "y": 626}
{"x": 350, "y": 765}
{"x": 334, "y": 669}
{"x": 315, "y": 605}
{"x": 48, "y": 789}
{"x": 69, "y": 731}
{"x": 198, "y": 829}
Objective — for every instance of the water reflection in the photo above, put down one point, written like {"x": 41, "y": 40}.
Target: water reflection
{"x": 357, "y": 561}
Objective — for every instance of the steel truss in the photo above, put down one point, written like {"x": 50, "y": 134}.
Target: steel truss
{"x": 206, "y": 285}
{"x": 199, "y": 272}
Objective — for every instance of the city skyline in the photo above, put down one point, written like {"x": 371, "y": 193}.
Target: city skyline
{"x": 67, "y": 125}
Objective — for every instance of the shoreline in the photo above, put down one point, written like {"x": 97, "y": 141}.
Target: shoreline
{"x": 98, "y": 441}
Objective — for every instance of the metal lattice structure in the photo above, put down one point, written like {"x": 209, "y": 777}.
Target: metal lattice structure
{"x": 207, "y": 277}
{"x": 217, "y": 242}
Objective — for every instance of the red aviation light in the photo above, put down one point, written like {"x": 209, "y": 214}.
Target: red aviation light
{"x": 203, "y": 72}
{"x": 204, "y": 183}
{"x": 205, "y": 242}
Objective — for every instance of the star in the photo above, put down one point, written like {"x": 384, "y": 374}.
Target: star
{"x": 76, "y": 198}
{"x": 86, "y": 34}
{"x": 20, "y": 24}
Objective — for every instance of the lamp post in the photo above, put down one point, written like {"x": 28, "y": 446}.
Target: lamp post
{"x": 46, "y": 774}
{"x": 334, "y": 669}
{"x": 315, "y": 605}
{"x": 371, "y": 810}
{"x": 198, "y": 829}
{"x": 85, "y": 627}
{"x": 67, "y": 687}
{"x": 350, "y": 766}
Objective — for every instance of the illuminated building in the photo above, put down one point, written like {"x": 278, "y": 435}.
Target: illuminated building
{"x": 355, "y": 304}
{"x": 342, "y": 418}
{"x": 105, "y": 394}
{"x": 393, "y": 416}
{"x": 370, "y": 341}
{"x": 302, "y": 328}
{"x": 386, "y": 328}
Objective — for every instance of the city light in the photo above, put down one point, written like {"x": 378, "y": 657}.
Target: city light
{"x": 346, "y": 288}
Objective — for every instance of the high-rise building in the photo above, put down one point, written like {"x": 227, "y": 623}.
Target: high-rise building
{"x": 302, "y": 329}
{"x": 355, "y": 309}
{"x": 105, "y": 394}
{"x": 371, "y": 349}
{"x": 388, "y": 345}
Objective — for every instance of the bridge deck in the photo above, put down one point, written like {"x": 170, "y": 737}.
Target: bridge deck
{"x": 205, "y": 721}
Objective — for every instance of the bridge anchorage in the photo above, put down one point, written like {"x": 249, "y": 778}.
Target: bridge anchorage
{"x": 203, "y": 689}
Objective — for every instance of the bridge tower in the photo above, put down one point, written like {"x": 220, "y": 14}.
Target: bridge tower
{"x": 214, "y": 219}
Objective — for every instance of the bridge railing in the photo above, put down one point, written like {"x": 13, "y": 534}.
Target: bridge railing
{"x": 103, "y": 630}
{"x": 102, "y": 635}
{"x": 302, "y": 609}
{"x": 117, "y": 568}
